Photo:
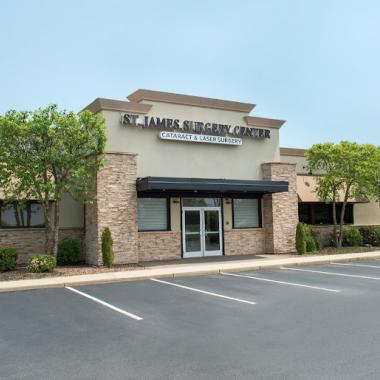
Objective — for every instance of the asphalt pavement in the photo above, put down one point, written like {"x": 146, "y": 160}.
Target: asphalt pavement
{"x": 309, "y": 322}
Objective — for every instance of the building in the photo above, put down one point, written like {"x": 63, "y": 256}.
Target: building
{"x": 312, "y": 211}
{"x": 184, "y": 176}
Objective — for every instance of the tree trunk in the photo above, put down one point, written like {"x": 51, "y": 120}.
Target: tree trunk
{"x": 342, "y": 212}
{"x": 57, "y": 214}
{"x": 335, "y": 223}
{"x": 48, "y": 227}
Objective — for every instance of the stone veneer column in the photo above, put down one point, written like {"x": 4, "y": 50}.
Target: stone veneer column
{"x": 115, "y": 207}
{"x": 280, "y": 210}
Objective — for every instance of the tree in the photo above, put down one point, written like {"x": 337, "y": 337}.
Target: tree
{"x": 47, "y": 153}
{"x": 348, "y": 169}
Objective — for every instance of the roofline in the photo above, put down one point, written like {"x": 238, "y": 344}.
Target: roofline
{"x": 264, "y": 122}
{"x": 189, "y": 100}
{"x": 100, "y": 104}
{"x": 293, "y": 152}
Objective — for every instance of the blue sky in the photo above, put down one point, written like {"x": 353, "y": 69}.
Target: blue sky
{"x": 314, "y": 63}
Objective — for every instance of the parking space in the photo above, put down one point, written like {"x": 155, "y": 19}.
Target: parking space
{"x": 314, "y": 322}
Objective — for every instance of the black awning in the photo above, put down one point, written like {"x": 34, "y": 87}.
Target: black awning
{"x": 203, "y": 186}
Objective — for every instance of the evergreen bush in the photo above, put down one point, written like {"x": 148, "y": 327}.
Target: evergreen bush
{"x": 311, "y": 244}
{"x": 351, "y": 237}
{"x": 8, "y": 259}
{"x": 69, "y": 252}
{"x": 107, "y": 247}
{"x": 300, "y": 239}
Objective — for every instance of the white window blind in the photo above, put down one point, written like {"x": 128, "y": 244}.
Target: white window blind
{"x": 246, "y": 213}
{"x": 152, "y": 214}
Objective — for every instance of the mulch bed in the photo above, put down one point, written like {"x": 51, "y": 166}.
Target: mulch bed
{"x": 335, "y": 251}
{"x": 21, "y": 274}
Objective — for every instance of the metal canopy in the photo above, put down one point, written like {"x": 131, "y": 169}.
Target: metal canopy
{"x": 175, "y": 185}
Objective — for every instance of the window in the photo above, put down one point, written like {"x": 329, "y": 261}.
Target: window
{"x": 322, "y": 213}
{"x": 200, "y": 202}
{"x": 153, "y": 214}
{"x": 15, "y": 215}
{"x": 246, "y": 213}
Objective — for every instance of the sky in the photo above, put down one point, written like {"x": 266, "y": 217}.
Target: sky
{"x": 315, "y": 64}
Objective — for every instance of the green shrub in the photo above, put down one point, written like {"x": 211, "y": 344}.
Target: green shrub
{"x": 370, "y": 235}
{"x": 301, "y": 239}
{"x": 351, "y": 237}
{"x": 41, "y": 263}
{"x": 377, "y": 234}
{"x": 317, "y": 238}
{"x": 8, "y": 259}
{"x": 69, "y": 252}
{"x": 310, "y": 238}
{"x": 107, "y": 247}
{"x": 311, "y": 244}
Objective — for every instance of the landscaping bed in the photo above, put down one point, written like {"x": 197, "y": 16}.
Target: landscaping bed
{"x": 336, "y": 251}
{"x": 20, "y": 273}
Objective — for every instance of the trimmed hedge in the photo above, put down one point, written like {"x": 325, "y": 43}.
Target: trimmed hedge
{"x": 8, "y": 259}
{"x": 107, "y": 247}
{"x": 69, "y": 252}
{"x": 41, "y": 263}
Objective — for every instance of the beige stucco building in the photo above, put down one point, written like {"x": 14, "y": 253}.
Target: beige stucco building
{"x": 189, "y": 177}
{"x": 184, "y": 176}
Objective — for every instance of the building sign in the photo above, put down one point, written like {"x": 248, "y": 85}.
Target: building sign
{"x": 189, "y": 127}
{"x": 191, "y": 137}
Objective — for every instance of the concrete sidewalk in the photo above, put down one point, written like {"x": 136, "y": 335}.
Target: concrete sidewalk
{"x": 179, "y": 270}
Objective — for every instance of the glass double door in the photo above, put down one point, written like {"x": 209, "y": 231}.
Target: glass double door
{"x": 201, "y": 229}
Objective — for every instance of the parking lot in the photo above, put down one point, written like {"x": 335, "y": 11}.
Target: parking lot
{"x": 309, "y": 322}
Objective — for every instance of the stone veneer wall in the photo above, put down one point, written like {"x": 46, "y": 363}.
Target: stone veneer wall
{"x": 30, "y": 241}
{"x": 245, "y": 241}
{"x": 159, "y": 245}
{"x": 280, "y": 210}
{"x": 115, "y": 207}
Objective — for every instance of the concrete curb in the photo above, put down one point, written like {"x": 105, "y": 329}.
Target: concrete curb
{"x": 180, "y": 270}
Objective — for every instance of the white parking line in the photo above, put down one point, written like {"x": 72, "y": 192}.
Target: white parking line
{"x": 357, "y": 265}
{"x": 130, "y": 315}
{"x": 280, "y": 282}
{"x": 331, "y": 273}
{"x": 204, "y": 292}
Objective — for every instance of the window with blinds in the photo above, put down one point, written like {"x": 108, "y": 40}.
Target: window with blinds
{"x": 152, "y": 214}
{"x": 246, "y": 213}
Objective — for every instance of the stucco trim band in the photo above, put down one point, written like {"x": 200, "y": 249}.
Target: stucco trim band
{"x": 189, "y": 100}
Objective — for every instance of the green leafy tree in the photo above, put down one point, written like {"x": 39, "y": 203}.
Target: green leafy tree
{"x": 350, "y": 170}
{"x": 47, "y": 153}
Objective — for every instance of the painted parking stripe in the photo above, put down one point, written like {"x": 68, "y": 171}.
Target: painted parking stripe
{"x": 130, "y": 315}
{"x": 204, "y": 292}
{"x": 331, "y": 273}
{"x": 281, "y": 282}
{"x": 357, "y": 265}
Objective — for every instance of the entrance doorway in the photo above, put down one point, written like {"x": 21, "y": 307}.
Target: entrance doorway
{"x": 201, "y": 227}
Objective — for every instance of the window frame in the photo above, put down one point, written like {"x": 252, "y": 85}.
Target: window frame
{"x": 27, "y": 205}
{"x": 168, "y": 216}
{"x": 259, "y": 210}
